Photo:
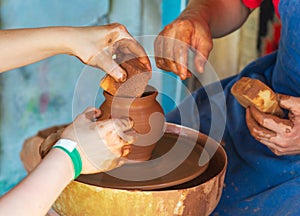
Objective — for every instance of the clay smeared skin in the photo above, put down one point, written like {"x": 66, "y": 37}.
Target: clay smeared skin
{"x": 111, "y": 37}
{"x": 131, "y": 58}
{"x": 125, "y": 150}
{"x": 93, "y": 114}
{"x": 172, "y": 45}
{"x": 255, "y": 126}
{"x": 115, "y": 134}
{"x": 264, "y": 116}
{"x": 105, "y": 42}
{"x": 279, "y": 134}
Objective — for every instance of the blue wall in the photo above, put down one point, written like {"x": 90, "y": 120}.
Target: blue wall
{"x": 170, "y": 11}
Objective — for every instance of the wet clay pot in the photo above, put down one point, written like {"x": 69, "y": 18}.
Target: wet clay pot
{"x": 147, "y": 115}
{"x": 199, "y": 196}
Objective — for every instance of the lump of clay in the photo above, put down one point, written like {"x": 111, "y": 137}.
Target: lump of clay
{"x": 135, "y": 85}
{"x": 250, "y": 91}
{"x": 50, "y": 136}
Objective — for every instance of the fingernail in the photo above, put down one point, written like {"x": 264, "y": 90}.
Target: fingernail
{"x": 90, "y": 115}
{"x": 148, "y": 66}
{"x": 123, "y": 78}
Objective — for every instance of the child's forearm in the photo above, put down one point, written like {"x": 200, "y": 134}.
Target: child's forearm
{"x": 37, "y": 192}
{"x": 20, "y": 47}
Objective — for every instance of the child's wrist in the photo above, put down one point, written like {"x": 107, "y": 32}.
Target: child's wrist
{"x": 69, "y": 147}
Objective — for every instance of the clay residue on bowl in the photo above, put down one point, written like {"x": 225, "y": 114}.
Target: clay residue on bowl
{"x": 197, "y": 197}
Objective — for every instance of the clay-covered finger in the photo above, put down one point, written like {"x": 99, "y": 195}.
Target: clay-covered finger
{"x": 120, "y": 125}
{"x": 159, "y": 45}
{"x": 105, "y": 62}
{"x": 132, "y": 47}
{"x": 274, "y": 148}
{"x": 279, "y": 150}
{"x": 128, "y": 136}
{"x": 160, "y": 63}
{"x": 201, "y": 54}
{"x": 257, "y": 131}
{"x": 258, "y": 115}
{"x": 181, "y": 59}
{"x": 158, "y": 51}
{"x": 88, "y": 114}
{"x": 295, "y": 152}
{"x": 290, "y": 103}
{"x": 199, "y": 62}
{"x": 105, "y": 126}
{"x": 271, "y": 122}
{"x": 123, "y": 124}
{"x": 125, "y": 150}
{"x": 92, "y": 113}
{"x": 168, "y": 52}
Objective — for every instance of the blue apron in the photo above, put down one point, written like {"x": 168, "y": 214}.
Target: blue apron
{"x": 257, "y": 181}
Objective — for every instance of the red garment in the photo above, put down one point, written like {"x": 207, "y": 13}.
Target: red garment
{"x": 256, "y": 3}
{"x": 252, "y": 3}
{"x": 276, "y": 3}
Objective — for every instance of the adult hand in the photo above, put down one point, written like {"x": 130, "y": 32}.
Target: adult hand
{"x": 171, "y": 46}
{"x": 103, "y": 145}
{"x": 97, "y": 46}
{"x": 280, "y": 135}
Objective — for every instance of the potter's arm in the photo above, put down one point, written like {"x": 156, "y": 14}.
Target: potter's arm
{"x": 222, "y": 16}
{"x": 19, "y": 47}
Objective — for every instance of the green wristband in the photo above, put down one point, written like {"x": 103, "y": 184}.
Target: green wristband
{"x": 69, "y": 147}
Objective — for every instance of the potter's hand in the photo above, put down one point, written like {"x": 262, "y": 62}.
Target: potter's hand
{"x": 103, "y": 145}
{"x": 96, "y": 46}
{"x": 195, "y": 27}
{"x": 280, "y": 135}
{"x": 172, "y": 44}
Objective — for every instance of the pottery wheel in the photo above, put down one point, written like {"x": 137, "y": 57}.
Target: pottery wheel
{"x": 175, "y": 160}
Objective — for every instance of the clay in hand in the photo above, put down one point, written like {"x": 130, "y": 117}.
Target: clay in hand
{"x": 173, "y": 44}
{"x": 103, "y": 145}
{"x": 252, "y": 92}
{"x": 137, "y": 80}
{"x": 97, "y": 46}
{"x": 279, "y": 134}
